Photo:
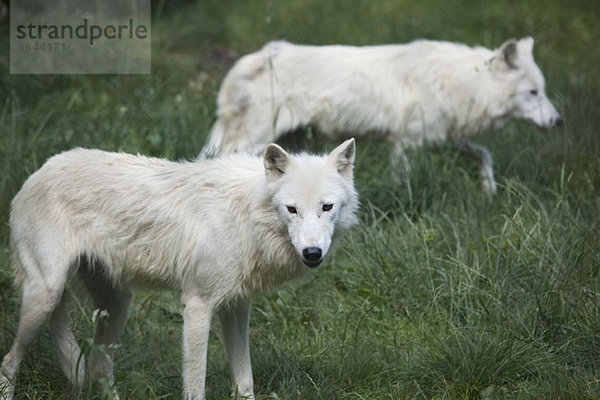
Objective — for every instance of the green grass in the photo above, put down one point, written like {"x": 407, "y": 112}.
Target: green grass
{"x": 440, "y": 293}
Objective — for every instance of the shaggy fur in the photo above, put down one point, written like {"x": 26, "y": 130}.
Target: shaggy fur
{"x": 217, "y": 230}
{"x": 424, "y": 91}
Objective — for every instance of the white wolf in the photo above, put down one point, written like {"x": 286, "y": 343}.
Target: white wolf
{"x": 217, "y": 230}
{"x": 421, "y": 92}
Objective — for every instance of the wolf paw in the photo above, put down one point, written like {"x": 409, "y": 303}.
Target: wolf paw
{"x": 489, "y": 187}
{"x": 7, "y": 389}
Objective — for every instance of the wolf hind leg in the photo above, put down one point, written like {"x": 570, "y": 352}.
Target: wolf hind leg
{"x": 40, "y": 297}
{"x": 71, "y": 358}
{"x": 115, "y": 299}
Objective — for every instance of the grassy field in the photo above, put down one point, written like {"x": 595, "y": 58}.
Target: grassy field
{"x": 440, "y": 293}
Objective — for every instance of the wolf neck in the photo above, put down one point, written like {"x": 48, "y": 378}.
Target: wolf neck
{"x": 271, "y": 257}
{"x": 483, "y": 101}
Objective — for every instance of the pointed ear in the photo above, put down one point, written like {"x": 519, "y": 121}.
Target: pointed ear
{"x": 276, "y": 161}
{"x": 343, "y": 157}
{"x": 509, "y": 53}
{"x": 506, "y": 56}
{"x": 525, "y": 45}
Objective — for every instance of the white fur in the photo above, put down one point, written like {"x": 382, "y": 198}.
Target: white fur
{"x": 217, "y": 230}
{"x": 424, "y": 91}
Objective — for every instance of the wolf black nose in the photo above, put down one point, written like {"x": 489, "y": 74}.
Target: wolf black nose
{"x": 559, "y": 121}
{"x": 312, "y": 256}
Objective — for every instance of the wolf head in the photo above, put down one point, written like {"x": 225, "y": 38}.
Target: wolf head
{"x": 314, "y": 197}
{"x": 514, "y": 65}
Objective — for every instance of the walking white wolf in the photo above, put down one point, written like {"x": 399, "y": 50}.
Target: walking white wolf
{"x": 217, "y": 230}
{"x": 408, "y": 95}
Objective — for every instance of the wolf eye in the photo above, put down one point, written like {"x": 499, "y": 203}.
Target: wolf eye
{"x": 533, "y": 92}
{"x": 292, "y": 210}
{"x": 327, "y": 207}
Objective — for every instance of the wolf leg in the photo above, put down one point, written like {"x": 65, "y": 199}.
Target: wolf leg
{"x": 486, "y": 169}
{"x": 115, "y": 299}
{"x": 235, "y": 320}
{"x": 41, "y": 296}
{"x": 399, "y": 164}
{"x": 196, "y": 327}
{"x": 71, "y": 359}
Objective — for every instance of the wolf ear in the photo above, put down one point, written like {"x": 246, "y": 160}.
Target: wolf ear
{"x": 509, "y": 53}
{"x": 525, "y": 45}
{"x": 343, "y": 157}
{"x": 276, "y": 161}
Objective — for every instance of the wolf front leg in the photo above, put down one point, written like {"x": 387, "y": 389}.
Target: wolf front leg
{"x": 486, "y": 169}
{"x": 399, "y": 164}
{"x": 235, "y": 320}
{"x": 196, "y": 326}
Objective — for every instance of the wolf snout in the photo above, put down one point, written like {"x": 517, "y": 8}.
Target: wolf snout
{"x": 549, "y": 123}
{"x": 312, "y": 256}
{"x": 558, "y": 121}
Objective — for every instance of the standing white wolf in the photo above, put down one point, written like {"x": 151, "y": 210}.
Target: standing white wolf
{"x": 217, "y": 230}
{"x": 408, "y": 95}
